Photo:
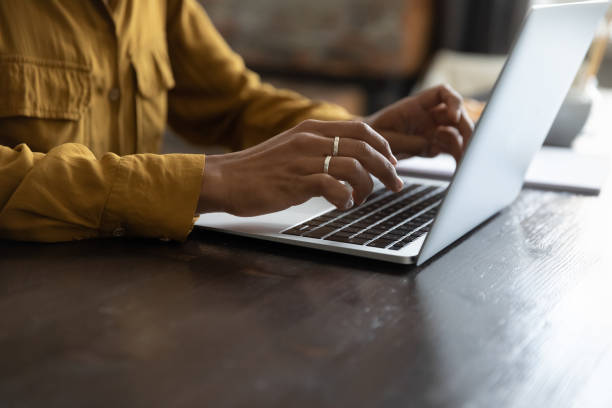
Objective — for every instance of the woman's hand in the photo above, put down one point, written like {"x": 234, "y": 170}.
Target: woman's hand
{"x": 288, "y": 170}
{"x": 427, "y": 124}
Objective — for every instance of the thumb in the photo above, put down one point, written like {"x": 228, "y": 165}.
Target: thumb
{"x": 404, "y": 144}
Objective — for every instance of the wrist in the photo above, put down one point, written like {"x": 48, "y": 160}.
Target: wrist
{"x": 212, "y": 193}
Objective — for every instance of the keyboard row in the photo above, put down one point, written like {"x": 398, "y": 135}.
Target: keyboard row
{"x": 386, "y": 220}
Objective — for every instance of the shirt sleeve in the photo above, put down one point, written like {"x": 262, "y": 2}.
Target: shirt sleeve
{"x": 217, "y": 100}
{"x": 68, "y": 194}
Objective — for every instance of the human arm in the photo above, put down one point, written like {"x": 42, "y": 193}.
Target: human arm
{"x": 432, "y": 122}
{"x": 287, "y": 169}
{"x": 68, "y": 194}
{"x": 217, "y": 100}
{"x": 216, "y": 92}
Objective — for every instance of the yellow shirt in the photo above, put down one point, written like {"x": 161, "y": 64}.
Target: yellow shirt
{"x": 86, "y": 90}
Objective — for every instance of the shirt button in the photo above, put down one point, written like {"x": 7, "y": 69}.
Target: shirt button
{"x": 114, "y": 94}
{"x": 119, "y": 232}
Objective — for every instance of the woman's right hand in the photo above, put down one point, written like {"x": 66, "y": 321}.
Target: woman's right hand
{"x": 287, "y": 170}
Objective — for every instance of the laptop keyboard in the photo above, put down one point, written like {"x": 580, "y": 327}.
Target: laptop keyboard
{"x": 386, "y": 220}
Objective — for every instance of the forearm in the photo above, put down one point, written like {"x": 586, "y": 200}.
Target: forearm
{"x": 68, "y": 194}
{"x": 217, "y": 100}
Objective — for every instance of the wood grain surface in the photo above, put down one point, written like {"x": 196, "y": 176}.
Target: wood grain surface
{"x": 519, "y": 313}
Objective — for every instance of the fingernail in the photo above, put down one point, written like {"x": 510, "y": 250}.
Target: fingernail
{"x": 349, "y": 204}
{"x": 393, "y": 159}
{"x": 399, "y": 182}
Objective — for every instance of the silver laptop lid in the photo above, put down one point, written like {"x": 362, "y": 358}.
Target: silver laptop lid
{"x": 528, "y": 94}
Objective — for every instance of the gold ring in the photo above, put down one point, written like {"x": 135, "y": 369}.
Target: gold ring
{"x": 326, "y": 164}
{"x": 336, "y": 144}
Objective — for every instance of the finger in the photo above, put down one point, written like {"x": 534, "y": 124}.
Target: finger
{"x": 411, "y": 145}
{"x": 372, "y": 161}
{"x": 449, "y": 140}
{"x": 433, "y": 97}
{"x": 350, "y": 129}
{"x": 351, "y": 170}
{"x": 434, "y": 150}
{"x": 327, "y": 186}
{"x": 431, "y": 151}
{"x": 443, "y": 116}
{"x": 346, "y": 169}
{"x": 466, "y": 127}
{"x": 310, "y": 144}
{"x": 313, "y": 144}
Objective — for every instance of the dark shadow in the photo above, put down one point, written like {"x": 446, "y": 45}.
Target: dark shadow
{"x": 321, "y": 257}
{"x": 300, "y": 254}
{"x": 464, "y": 238}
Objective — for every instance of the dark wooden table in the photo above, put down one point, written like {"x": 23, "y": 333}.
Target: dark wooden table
{"x": 517, "y": 314}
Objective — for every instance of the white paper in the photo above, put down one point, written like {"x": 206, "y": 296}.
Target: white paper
{"x": 553, "y": 168}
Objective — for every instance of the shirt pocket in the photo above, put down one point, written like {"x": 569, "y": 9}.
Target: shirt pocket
{"x": 154, "y": 79}
{"x": 44, "y": 103}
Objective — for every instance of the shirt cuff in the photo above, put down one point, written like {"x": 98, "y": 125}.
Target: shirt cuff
{"x": 154, "y": 196}
{"x": 327, "y": 112}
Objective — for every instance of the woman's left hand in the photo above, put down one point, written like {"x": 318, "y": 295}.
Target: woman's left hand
{"x": 432, "y": 122}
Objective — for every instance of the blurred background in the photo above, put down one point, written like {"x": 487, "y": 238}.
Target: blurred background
{"x": 365, "y": 54}
{"x": 378, "y": 48}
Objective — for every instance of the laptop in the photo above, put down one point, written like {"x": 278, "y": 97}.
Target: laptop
{"x": 427, "y": 216}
